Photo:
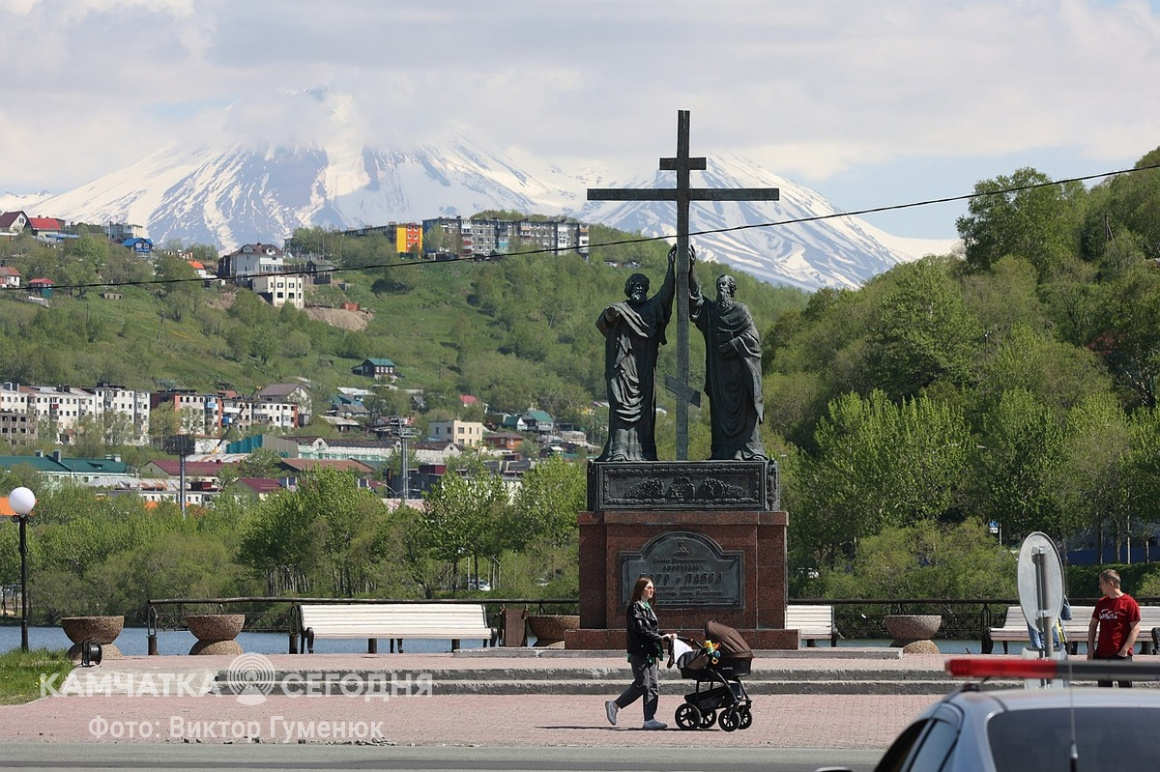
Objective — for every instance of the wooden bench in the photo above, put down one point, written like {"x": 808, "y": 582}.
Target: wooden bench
{"x": 1014, "y": 628}
{"x": 1075, "y": 630}
{"x": 813, "y": 623}
{"x": 395, "y": 621}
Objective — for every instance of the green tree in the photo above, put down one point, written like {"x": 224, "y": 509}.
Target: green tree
{"x": 1020, "y": 452}
{"x": 924, "y": 332}
{"x": 1024, "y": 215}
{"x": 464, "y": 517}
{"x": 1090, "y": 481}
{"x": 879, "y": 464}
{"x": 926, "y": 560}
{"x": 1129, "y": 331}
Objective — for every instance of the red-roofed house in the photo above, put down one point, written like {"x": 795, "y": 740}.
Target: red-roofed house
{"x": 9, "y": 277}
{"x": 44, "y": 227}
{"x": 41, "y": 286}
{"x": 261, "y": 487}
{"x": 194, "y": 470}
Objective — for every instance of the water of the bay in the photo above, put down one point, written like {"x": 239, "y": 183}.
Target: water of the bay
{"x": 134, "y": 642}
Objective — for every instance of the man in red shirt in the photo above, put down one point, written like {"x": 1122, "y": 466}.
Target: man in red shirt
{"x": 1117, "y": 617}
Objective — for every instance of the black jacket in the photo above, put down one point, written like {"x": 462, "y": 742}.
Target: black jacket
{"x": 644, "y": 635}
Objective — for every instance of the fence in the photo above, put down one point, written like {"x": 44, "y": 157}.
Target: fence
{"x": 857, "y": 619}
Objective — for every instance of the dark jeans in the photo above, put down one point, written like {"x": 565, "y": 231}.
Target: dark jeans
{"x": 1114, "y": 658}
{"x": 644, "y": 682}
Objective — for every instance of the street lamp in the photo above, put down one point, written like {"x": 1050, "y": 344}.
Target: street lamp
{"x": 22, "y": 501}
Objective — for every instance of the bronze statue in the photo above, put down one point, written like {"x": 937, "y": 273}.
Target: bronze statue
{"x": 732, "y": 370}
{"x": 634, "y": 331}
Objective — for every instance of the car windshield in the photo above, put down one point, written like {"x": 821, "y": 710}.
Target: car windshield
{"x": 1107, "y": 739}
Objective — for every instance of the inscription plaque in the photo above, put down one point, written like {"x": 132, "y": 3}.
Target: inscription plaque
{"x": 688, "y": 569}
{"x": 684, "y": 485}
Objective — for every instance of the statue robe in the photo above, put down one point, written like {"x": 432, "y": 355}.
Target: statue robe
{"x": 732, "y": 377}
{"x": 633, "y": 335}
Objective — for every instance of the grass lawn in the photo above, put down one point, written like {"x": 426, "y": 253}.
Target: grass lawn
{"x": 20, "y": 673}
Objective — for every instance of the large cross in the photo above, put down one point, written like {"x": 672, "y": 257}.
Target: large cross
{"x": 683, "y": 194}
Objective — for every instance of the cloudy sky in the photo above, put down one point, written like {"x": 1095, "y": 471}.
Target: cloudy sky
{"x": 870, "y": 103}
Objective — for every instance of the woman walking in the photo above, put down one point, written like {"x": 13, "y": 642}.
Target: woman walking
{"x": 645, "y": 648}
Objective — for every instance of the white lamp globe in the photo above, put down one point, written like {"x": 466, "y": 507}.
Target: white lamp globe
{"x": 22, "y": 500}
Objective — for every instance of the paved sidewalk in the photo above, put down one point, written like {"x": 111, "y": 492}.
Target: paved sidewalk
{"x": 161, "y": 706}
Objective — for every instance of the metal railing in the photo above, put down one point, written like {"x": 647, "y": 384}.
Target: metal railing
{"x": 856, "y": 619}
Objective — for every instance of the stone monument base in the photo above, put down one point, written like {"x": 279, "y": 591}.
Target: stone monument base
{"x": 724, "y": 565}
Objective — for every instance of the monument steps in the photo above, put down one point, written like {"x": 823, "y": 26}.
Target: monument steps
{"x": 590, "y": 680}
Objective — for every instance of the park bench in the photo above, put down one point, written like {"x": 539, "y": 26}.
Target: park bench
{"x": 1075, "y": 630}
{"x": 394, "y": 621}
{"x": 813, "y": 623}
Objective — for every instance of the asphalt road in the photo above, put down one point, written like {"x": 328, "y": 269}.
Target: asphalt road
{"x": 137, "y": 757}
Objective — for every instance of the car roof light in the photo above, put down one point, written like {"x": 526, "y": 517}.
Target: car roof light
{"x": 1002, "y": 667}
{"x": 1017, "y": 667}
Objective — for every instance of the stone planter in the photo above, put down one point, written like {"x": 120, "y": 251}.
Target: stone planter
{"x": 549, "y": 629}
{"x": 913, "y": 632}
{"x": 102, "y": 629}
{"x": 215, "y": 633}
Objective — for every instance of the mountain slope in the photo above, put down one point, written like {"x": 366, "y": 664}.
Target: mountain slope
{"x": 243, "y": 195}
{"x": 824, "y": 251}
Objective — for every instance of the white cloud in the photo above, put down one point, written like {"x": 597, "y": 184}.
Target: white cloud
{"x": 812, "y": 90}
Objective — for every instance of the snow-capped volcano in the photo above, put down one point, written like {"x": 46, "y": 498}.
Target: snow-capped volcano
{"x": 800, "y": 240}
{"x": 246, "y": 195}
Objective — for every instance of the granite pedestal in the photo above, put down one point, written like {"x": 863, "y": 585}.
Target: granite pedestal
{"x": 711, "y": 536}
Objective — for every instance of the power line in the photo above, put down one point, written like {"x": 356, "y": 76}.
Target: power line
{"x": 629, "y": 241}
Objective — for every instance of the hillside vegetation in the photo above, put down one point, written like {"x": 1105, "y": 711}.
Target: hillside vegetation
{"x": 516, "y": 333}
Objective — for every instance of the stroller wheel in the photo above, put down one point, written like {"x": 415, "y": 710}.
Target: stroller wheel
{"x": 730, "y": 719}
{"x": 708, "y": 718}
{"x": 688, "y": 717}
{"x": 746, "y": 719}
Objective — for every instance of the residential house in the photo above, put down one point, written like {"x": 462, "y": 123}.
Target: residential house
{"x": 348, "y": 408}
{"x": 297, "y": 466}
{"x": 468, "y": 434}
{"x": 379, "y": 369}
{"x": 249, "y": 261}
{"x": 539, "y": 421}
{"x": 45, "y": 228}
{"x": 142, "y": 247}
{"x": 506, "y": 441}
{"x": 121, "y": 232}
{"x": 195, "y": 471}
{"x": 9, "y": 276}
{"x": 340, "y": 424}
{"x": 293, "y": 393}
{"x": 467, "y": 400}
{"x": 259, "y": 487}
{"x": 13, "y": 223}
{"x": 281, "y": 289}
{"x": 200, "y": 269}
{"x": 512, "y": 423}
{"x": 435, "y": 452}
{"x": 42, "y": 287}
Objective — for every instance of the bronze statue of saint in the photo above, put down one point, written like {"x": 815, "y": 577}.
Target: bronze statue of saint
{"x": 732, "y": 370}
{"x": 634, "y": 331}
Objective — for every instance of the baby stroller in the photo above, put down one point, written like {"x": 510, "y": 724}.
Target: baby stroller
{"x": 716, "y": 665}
